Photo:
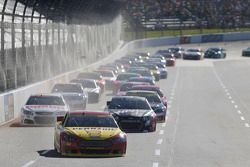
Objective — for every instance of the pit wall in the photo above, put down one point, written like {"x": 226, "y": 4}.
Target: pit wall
{"x": 11, "y": 102}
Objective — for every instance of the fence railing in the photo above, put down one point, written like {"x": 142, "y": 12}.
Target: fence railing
{"x": 33, "y": 52}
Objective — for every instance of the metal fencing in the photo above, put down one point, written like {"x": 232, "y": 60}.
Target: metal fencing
{"x": 32, "y": 52}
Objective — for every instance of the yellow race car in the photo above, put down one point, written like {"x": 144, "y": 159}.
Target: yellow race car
{"x": 92, "y": 134}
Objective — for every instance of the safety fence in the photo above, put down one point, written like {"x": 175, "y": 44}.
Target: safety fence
{"x": 33, "y": 52}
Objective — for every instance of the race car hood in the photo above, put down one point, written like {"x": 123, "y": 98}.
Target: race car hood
{"x": 192, "y": 53}
{"x": 93, "y": 133}
{"x": 129, "y": 112}
{"x": 51, "y": 108}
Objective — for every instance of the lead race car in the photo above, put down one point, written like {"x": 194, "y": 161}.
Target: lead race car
{"x": 89, "y": 134}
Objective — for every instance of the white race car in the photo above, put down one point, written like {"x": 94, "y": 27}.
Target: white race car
{"x": 43, "y": 109}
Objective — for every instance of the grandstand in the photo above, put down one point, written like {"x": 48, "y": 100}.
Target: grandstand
{"x": 179, "y": 14}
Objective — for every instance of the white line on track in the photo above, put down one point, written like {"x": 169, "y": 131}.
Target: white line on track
{"x": 164, "y": 124}
{"x": 172, "y": 97}
{"x": 155, "y": 164}
{"x": 161, "y": 132}
{"x": 235, "y": 106}
{"x": 159, "y": 141}
{"x": 242, "y": 118}
{"x": 247, "y": 125}
{"x": 228, "y": 94}
{"x": 230, "y": 97}
{"x": 45, "y": 152}
{"x": 158, "y": 152}
{"x": 28, "y": 164}
{"x": 232, "y": 101}
{"x": 239, "y": 112}
{"x": 226, "y": 90}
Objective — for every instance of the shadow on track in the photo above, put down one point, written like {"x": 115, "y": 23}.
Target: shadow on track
{"x": 54, "y": 154}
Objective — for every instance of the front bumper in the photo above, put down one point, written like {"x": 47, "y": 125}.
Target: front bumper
{"x": 118, "y": 149}
{"x": 130, "y": 124}
{"x": 40, "y": 118}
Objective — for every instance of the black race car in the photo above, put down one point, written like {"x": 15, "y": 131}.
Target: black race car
{"x": 132, "y": 113}
{"x": 215, "y": 52}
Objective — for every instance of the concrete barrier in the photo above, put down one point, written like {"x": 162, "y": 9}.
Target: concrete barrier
{"x": 11, "y": 102}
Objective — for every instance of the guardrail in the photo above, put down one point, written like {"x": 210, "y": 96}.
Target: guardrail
{"x": 11, "y": 102}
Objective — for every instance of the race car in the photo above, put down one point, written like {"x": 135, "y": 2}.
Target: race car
{"x": 91, "y": 88}
{"x": 168, "y": 55}
{"x": 127, "y": 86}
{"x": 154, "y": 70}
{"x": 70, "y": 88}
{"x": 163, "y": 70}
{"x": 89, "y": 134}
{"x": 133, "y": 114}
{"x": 148, "y": 80}
{"x": 75, "y": 101}
{"x": 152, "y": 88}
{"x": 177, "y": 51}
{"x": 93, "y": 75}
{"x": 215, "y": 52}
{"x": 194, "y": 54}
{"x": 121, "y": 79}
{"x": 142, "y": 71}
{"x": 43, "y": 109}
{"x": 154, "y": 101}
{"x": 109, "y": 78}
{"x": 246, "y": 52}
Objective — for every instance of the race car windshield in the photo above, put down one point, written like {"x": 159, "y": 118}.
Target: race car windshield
{"x": 139, "y": 80}
{"x": 129, "y": 104}
{"x": 150, "y": 97}
{"x": 174, "y": 49}
{"x": 45, "y": 100}
{"x": 161, "y": 66}
{"x": 89, "y": 84}
{"x": 90, "y": 76}
{"x": 125, "y": 87}
{"x": 153, "y": 99}
{"x": 71, "y": 99}
{"x": 107, "y": 74}
{"x": 90, "y": 121}
{"x": 67, "y": 88}
{"x": 124, "y": 77}
{"x": 193, "y": 50}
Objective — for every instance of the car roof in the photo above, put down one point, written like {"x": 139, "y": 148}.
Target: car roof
{"x": 70, "y": 94}
{"x": 141, "y": 78}
{"x": 67, "y": 84}
{"x": 129, "y": 97}
{"x": 79, "y": 112}
{"x": 92, "y": 80}
{"x": 47, "y": 95}
{"x": 149, "y": 86}
{"x": 143, "y": 91}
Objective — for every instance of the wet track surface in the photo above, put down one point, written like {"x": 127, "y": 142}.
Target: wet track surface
{"x": 208, "y": 122}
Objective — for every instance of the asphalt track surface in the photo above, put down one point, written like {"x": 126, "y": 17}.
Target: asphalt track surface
{"x": 208, "y": 122}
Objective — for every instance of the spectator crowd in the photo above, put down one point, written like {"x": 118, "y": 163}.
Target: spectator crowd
{"x": 217, "y": 13}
